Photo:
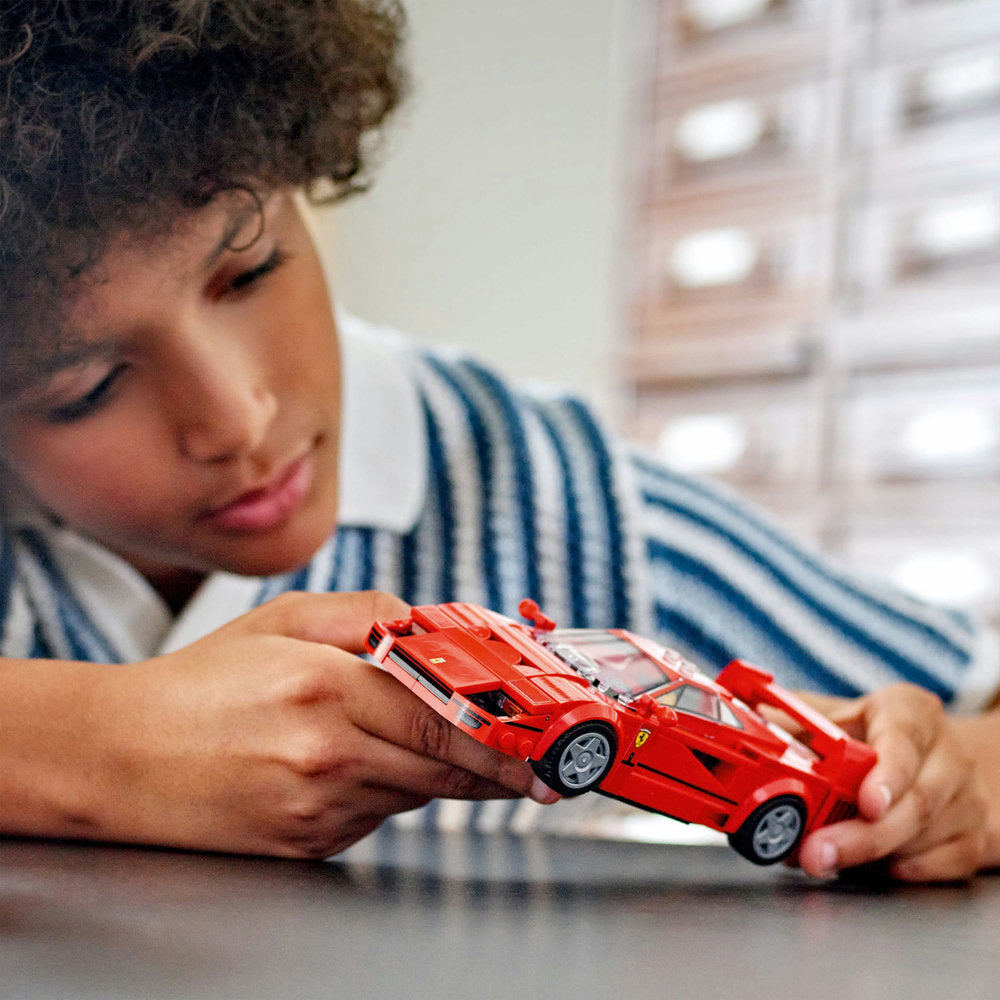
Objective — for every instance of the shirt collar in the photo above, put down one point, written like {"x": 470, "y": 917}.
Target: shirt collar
{"x": 383, "y": 444}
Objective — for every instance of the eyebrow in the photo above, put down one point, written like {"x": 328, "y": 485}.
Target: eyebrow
{"x": 44, "y": 365}
{"x": 236, "y": 223}
{"x": 20, "y": 386}
{"x": 77, "y": 353}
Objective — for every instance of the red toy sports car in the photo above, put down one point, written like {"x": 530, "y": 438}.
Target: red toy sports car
{"x": 610, "y": 711}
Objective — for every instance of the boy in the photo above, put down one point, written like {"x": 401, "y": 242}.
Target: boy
{"x": 190, "y": 440}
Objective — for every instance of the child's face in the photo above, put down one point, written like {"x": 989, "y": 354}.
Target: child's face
{"x": 197, "y": 428}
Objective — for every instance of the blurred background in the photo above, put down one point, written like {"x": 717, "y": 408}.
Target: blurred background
{"x": 762, "y": 236}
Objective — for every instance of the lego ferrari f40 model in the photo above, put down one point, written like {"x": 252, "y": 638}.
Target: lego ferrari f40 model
{"x": 606, "y": 710}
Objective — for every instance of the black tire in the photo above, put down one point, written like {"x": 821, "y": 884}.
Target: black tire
{"x": 579, "y": 759}
{"x": 772, "y": 831}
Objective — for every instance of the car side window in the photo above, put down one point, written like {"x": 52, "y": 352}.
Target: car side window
{"x": 696, "y": 700}
{"x": 729, "y": 716}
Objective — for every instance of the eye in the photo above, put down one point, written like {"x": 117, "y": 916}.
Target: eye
{"x": 246, "y": 279}
{"x": 82, "y": 406}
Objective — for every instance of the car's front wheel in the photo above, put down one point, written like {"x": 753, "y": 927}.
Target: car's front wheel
{"x": 579, "y": 759}
{"x": 772, "y": 831}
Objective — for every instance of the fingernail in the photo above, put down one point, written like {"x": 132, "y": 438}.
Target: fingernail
{"x": 541, "y": 792}
{"x": 886, "y": 794}
{"x": 827, "y": 860}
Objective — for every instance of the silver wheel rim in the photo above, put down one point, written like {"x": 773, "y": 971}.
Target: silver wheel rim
{"x": 777, "y": 831}
{"x": 584, "y": 760}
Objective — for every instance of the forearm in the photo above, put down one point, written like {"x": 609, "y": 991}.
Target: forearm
{"x": 268, "y": 736}
{"x": 53, "y": 770}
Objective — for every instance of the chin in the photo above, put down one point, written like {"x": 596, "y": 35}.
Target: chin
{"x": 281, "y": 552}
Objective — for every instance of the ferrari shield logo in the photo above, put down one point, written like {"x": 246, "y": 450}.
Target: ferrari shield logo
{"x": 641, "y": 737}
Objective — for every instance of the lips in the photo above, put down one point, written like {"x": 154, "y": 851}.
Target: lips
{"x": 268, "y": 506}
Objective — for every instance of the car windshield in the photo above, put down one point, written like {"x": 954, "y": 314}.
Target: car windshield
{"x": 612, "y": 661}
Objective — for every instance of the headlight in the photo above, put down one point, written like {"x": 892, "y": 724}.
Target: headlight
{"x": 496, "y": 702}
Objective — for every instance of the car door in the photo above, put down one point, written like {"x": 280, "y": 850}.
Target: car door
{"x": 690, "y": 760}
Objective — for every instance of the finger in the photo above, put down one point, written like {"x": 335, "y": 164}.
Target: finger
{"x": 965, "y": 814}
{"x": 832, "y": 706}
{"x": 954, "y": 860}
{"x": 893, "y": 725}
{"x": 859, "y": 842}
{"x": 325, "y": 841}
{"x": 903, "y": 709}
{"x": 378, "y": 706}
{"x": 845, "y": 712}
{"x": 391, "y": 713}
{"x": 337, "y": 807}
{"x": 382, "y": 802}
{"x": 820, "y": 854}
{"x": 342, "y": 620}
{"x": 781, "y": 719}
{"x": 392, "y": 773}
{"x": 438, "y": 780}
{"x": 902, "y": 724}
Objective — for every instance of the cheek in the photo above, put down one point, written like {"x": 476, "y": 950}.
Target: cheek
{"x": 90, "y": 475}
{"x": 303, "y": 358}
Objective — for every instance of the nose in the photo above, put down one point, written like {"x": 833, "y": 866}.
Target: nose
{"x": 224, "y": 409}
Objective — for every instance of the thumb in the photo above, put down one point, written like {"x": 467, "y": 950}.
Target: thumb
{"x": 341, "y": 620}
{"x": 848, "y": 713}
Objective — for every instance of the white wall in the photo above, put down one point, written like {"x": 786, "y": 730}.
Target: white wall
{"x": 495, "y": 217}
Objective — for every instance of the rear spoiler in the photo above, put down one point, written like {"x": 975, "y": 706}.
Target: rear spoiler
{"x": 837, "y": 750}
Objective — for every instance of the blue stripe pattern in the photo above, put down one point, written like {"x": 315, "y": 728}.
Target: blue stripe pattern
{"x": 621, "y": 615}
{"x": 484, "y": 461}
{"x": 8, "y": 571}
{"x": 575, "y": 568}
{"x": 354, "y": 562}
{"x": 523, "y": 478}
{"x": 699, "y": 493}
{"x": 83, "y": 639}
{"x": 442, "y": 505}
{"x": 706, "y": 648}
{"x": 913, "y": 647}
{"x": 40, "y": 648}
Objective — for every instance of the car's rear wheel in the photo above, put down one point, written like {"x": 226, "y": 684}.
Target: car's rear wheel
{"x": 579, "y": 759}
{"x": 772, "y": 831}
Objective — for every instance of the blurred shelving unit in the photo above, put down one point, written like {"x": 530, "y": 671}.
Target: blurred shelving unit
{"x": 815, "y": 306}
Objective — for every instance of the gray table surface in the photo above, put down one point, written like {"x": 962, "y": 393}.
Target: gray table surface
{"x": 420, "y": 915}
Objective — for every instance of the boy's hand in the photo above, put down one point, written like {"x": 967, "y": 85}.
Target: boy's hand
{"x": 269, "y": 736}
{"x": 921, "y": 807}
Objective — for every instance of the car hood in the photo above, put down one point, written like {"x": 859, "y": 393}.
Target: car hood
{"x": 468, "y": 665}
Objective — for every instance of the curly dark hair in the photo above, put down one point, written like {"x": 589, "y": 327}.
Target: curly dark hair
{"x": 114, "y": 114}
